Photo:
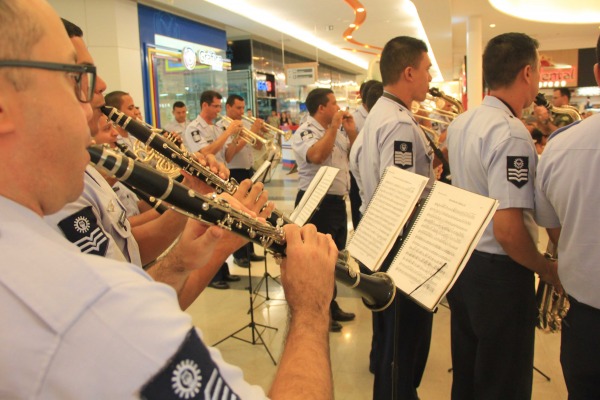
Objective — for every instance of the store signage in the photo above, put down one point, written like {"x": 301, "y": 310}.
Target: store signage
{"x": 188, "y": 57}
{"x": 204, "y": 57}
{"x": 208, "y": 57}
{"x": 301, "y": 74}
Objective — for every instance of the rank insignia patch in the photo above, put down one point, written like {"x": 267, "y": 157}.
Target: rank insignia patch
{"x": 517, "y": 170}
{"x": 196, "y": 136}
{"x": 305, "y": 135}
{"x": 83, "y": 230}
{"x": 403, "y": 154}
{"x": 190, "y": 374}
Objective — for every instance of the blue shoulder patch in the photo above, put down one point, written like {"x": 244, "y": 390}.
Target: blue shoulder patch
{"x": 83, "y": 230}
{"x": 561, "y": 130}
{"x": 190, "y": 374}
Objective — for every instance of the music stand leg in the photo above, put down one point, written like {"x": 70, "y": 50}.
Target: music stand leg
{"x": 256, "y": 334}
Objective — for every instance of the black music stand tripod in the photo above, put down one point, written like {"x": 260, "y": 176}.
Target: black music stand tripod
{"x": 257, "y": 337}
{"x": 266, "y": 275}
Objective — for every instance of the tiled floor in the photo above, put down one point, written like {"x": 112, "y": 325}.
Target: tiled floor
{"x": 221, "y": 312}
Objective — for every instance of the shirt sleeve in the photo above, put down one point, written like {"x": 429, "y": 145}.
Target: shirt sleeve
{"x": 511, "y": 172}
{"x": 545, "y": 215}
{"x": 397, "y": 146}
{"x": 303, "y": 141}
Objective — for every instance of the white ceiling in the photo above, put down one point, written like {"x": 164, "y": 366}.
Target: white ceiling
{"x": 444, "y": 22}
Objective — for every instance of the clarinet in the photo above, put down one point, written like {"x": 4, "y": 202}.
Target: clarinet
{"x": 377, "y": 290}
{"x": 183, "y": 159}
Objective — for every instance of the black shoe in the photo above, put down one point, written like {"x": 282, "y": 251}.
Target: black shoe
{"x": 256, "y": 257}
{"x": 337, "y": 314}
{"x": 231, "y": 278}
{"x": 241, "y": 262}
{"x": 335, "y": 326}
{"x": 219, "y": 285}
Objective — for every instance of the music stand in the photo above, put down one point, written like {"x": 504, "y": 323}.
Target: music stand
{"x": 256, "y": 335}
{"x": 266, "y": 275}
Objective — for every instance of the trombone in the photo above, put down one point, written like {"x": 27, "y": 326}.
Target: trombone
{"x": 247, "y": 135}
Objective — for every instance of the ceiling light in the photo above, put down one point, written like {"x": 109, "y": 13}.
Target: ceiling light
{"x": 264, "y": 17}
{"x": 492, "y": 25}
{"x": 360, "y": 9}
{"x": 352, "y": 25}
{"x": 553, "y": 11}
{"x": 349, "y": 37}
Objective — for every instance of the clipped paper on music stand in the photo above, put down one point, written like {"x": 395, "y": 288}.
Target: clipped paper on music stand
{"x": 314, "y": 194}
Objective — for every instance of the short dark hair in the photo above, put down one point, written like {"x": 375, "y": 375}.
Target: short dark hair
{"x": 178, "y": 104}
{"x": 374, "y": 93}
{"x": 208, "y": 96}
{"x": 72, "y": 29}
{"x": 364, "y": 88}
{"x": 115, "y": 99}
{"x": 507, "y": 54}
{"x": 537, "y": 135}
{"x": 398, "y": 54}
{"x": 317, "y": 97}
{"x": 232, "y": 98}
{"x": 564, "y": 92}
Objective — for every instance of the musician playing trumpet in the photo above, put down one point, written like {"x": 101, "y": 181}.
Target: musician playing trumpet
{"x": 202, "y": 135}
{"x": 240, "y": 158}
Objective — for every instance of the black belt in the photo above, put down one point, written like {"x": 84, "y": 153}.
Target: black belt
{"x": 492, "y": 257}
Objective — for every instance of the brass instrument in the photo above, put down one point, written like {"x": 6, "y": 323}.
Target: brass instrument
{"x": 247, "y": 135}
{"x": 552, "y": 306}
{"x": 456, "y": 104}
{"x": 377, "y": 290}
{"x": 180, "y": 157}
{"x": 571, "y": 111}
{"x": 272, "y": 131}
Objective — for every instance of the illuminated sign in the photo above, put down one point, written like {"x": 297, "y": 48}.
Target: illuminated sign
{"x": 188, "y": 57}
{"x": 208, "y": 57}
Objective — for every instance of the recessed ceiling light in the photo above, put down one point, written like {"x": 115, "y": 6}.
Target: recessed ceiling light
{"x": 349, "y": 37}
{"x": 352, "y": 25}
{"x": 492, "y": 25}
{"x": 554, "y": 11}
{"x": 360, "y": 10}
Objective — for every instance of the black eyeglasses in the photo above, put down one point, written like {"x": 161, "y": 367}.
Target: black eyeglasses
{"x": 83, "y": 75}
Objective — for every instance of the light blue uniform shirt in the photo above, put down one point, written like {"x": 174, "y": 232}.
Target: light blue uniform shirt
{"x": 491, "y": 153}
{"x": 305, "y": 137}
{"x": 200, "y": 134}
{"x": 79, "y": 326}
{"x": 244, "y": 159}
{"x": 391, "y": 136}
{"x": 567, "y": 195}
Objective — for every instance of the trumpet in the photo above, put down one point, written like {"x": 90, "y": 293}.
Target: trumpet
{"x": 377, "y": 290}
{"x": 272, "y": 131}
{"x": 247, "y": 135}
{"x": 180, "y": 157}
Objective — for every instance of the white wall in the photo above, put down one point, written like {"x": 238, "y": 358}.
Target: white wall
{"x": 110, "y": 29}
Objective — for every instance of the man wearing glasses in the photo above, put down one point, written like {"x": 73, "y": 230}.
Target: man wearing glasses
{"x": 83, "y": 326}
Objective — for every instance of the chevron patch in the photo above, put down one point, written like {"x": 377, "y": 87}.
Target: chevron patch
{"x": 403, "y": 154}
{"x": 82, "y": 229}
{"x": 190, "y": 374}
{"x": 517, "y": 170}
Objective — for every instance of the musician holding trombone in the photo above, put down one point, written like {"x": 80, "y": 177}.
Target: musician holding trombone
{"x": 72, "y": 318}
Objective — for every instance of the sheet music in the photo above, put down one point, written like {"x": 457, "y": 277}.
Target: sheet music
{"x": 260, "y": 171}
{"x": 314, "y": 194}
{"x": 396, "y": 196}
{"x": 445, "y": 234}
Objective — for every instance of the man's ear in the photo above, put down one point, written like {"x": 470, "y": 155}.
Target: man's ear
{"x": 7, "y": 124}
{"x": 408, "y": 73}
